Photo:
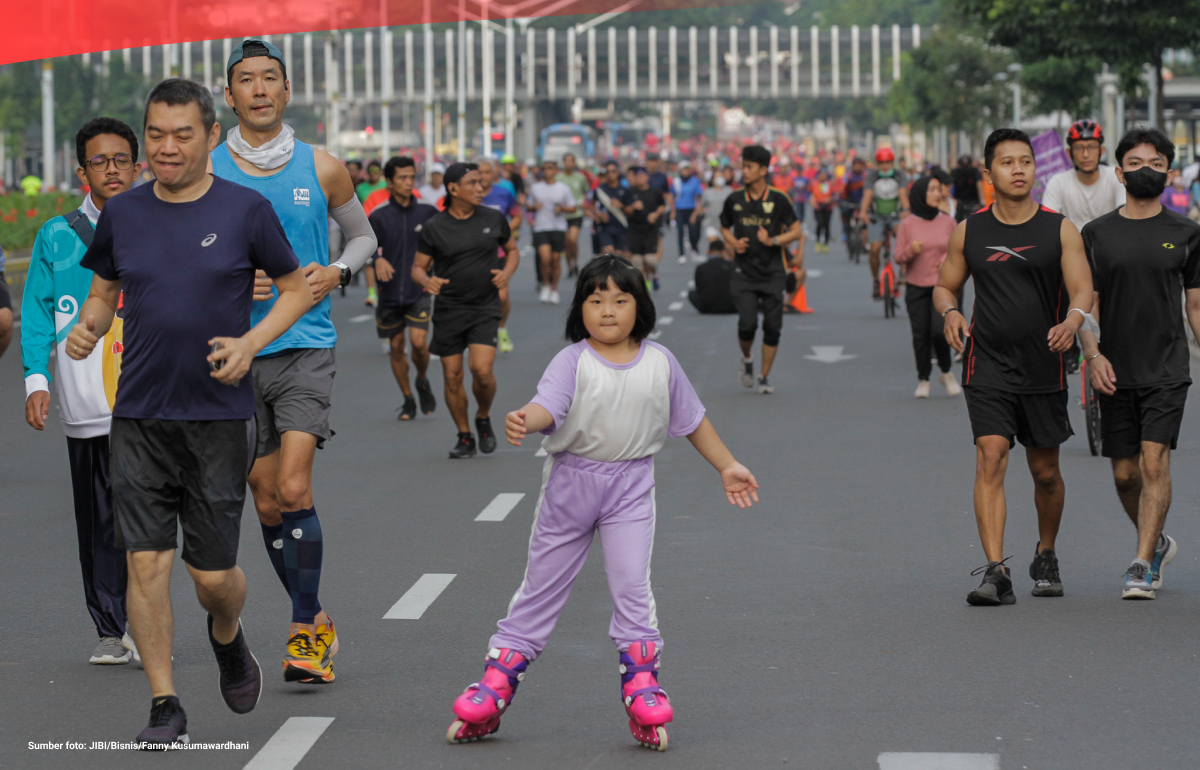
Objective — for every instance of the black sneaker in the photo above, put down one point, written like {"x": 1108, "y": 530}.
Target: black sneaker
{"x": 996, "y": 588}
{"x": 464, "y": 448}
{"x": 241, "y": 677}
{"x": 487, "y": 437}
{"x": 1044, "y": 572}
{"x": 167, "y": 728}
{"x": 425, "y": 394}
{"x": 409, "y": 410}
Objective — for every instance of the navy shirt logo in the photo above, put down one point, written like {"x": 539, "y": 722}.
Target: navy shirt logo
{"x": 209, "y": 240}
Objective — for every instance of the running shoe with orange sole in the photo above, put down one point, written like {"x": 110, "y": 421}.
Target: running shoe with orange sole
{"x": 327, "y": 636}
{"x": 307, "y": 661}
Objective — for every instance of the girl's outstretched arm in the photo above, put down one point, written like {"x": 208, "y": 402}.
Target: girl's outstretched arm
{"x": 530, "y": 418}
{"x": 740, "y": 485}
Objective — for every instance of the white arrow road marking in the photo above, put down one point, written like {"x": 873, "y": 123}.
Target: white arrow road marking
{"x": 418, "y": 598}
{"x": 829, "y": 354}
{"x": 540, "y": 453}
{"x": 500, "y": 506}
{"x": 666, "y": 320}
{"x": 813, "y": 273}
{"x": 899, "y": 760}
{"x": 289, "y": 744}
{"x": 675, "y": 306}
{"x": 358, "y": 319}
{"x": 655, "y": 334}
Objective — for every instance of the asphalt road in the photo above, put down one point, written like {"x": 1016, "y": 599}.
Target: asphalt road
{"x": 824, "y": 628}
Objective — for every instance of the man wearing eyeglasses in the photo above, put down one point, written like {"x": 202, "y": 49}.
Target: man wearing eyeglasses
{"x": 55, "y": 288}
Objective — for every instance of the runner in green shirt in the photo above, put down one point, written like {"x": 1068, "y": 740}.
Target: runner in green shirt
{"x": 580, "y": 186}
{"x": 375, "y": 181}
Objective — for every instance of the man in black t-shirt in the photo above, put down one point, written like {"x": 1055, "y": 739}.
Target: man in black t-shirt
{"x": 756, "y": 222}
{"x": 185, "y": 250}
{"x": 645, "y": 209}
{"x": 1020, "y": 257}
{"x": 968, "y": 188}
{"x": 1144, "y": 258}
{"x": 460, "y": 244}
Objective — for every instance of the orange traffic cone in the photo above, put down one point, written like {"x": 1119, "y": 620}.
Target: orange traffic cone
{"x": 800, "y": 301}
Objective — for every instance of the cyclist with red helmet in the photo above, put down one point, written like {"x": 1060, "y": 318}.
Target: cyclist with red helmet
{"x": 1093, "y": 189}
{"x": 884, "y": 202}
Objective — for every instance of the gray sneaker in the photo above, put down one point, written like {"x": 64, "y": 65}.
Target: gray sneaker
{"x": 109, "y": 652}
{"x": 764, "y": 385}
{"x": 1137, "y": 581}
{"x": 747, "y": 373}
{"x": 1163, "y": 555}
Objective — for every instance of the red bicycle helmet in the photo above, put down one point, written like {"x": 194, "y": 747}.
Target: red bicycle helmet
{"x": 884, "y": 155}
{"x": 1084, "y": 129}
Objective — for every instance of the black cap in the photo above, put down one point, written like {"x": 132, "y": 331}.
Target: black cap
{"x": 756, "y": 153}
{"x": 652, "y": 156}
{"x": 457, "y": 171}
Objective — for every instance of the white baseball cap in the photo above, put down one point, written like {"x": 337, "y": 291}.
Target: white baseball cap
{"x": 437, "y": 168}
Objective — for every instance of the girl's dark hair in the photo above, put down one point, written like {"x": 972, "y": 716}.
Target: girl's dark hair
{"x": 627, "y": 278}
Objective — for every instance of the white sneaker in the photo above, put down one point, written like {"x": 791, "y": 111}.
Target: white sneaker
{"x": 683, "y": 260}
{"x": 554, "y": 299}
{"x": 922, "y": 389}
{"x": 950, "y": 384}
{"x": 544, "y": 295}
{"x": 746, "y": 372}
{"x": 127, "y": 643}
{"x": 387, "y": 347}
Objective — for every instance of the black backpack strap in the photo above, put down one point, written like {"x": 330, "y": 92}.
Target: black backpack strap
{"x": 81, "y": 225}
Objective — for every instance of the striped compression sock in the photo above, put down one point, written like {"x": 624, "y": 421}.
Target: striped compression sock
{"x": 273, "y": 538}
{"x": 302, "y": 552}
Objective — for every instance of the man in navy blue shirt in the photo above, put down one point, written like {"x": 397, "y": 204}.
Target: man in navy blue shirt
{"x": 184, "y": 251}
{"x": 659, "y": 181}
{"x": 402, "y": 302}
{"x": 609, "y": 200}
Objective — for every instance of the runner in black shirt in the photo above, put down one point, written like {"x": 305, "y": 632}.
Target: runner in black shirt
{"x": 645, "y": 210}
{"x": 1032, "y": 289}
{"x": 460, "y": 245}
{"x": 1143, "y": 258}
{"x": 968, "y": 188}
{"x": 756, "y": 222}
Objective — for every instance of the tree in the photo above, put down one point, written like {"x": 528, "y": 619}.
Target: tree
{"x": 1055, "y": 84}
{"x": 20, "y": 101}
{"x": 1126, "y": 34}
{"x": 950, "y": 81}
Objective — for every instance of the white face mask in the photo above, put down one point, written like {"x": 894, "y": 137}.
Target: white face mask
{"x": 719, "y": 181}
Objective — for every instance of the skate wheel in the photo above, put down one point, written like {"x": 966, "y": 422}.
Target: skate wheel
{"x": 662, "y": 738}
{"x": 452, "y": 732}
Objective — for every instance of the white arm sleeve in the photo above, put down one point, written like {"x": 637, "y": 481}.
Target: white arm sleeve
{"x": 360, "y": 237}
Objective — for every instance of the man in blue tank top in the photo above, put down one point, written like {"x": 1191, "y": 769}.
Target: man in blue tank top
{"x": 293, "y": 377}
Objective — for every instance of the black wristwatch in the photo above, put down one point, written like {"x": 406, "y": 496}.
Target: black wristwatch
{"x": 344, "y": 269}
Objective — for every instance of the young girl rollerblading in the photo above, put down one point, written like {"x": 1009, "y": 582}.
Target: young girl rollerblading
{"x": 607, "y": 404}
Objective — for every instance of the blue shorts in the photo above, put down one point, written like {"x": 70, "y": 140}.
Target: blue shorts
{"x": 617, "y": 240}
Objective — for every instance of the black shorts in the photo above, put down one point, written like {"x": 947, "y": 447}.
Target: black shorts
{"x": 187, "y": 474}
{"x": 293, "y": 391}
{"x": 390, "y": 320}
{"x": 643, "y": 242}
{"x": 753, "y": 297}
{"x": 555, "y": 239}
{"x": 455, "y": 328}
{"x": 613, "y": 238}
{"x": 5, "y": 299}
{"x": 574, "y": 222}
{"x": 1134, "y": 415}
{"x": 1037, "y": 420}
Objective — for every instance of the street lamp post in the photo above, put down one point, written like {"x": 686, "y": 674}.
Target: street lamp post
{"x": 1015, "y": 69}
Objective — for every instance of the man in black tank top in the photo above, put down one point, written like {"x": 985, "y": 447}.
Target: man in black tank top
{"x": 1032, "y": 289}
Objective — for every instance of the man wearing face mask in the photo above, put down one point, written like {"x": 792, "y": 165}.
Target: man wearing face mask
{"x": 713, "y": 198}
{"x": 1143, "y": 258}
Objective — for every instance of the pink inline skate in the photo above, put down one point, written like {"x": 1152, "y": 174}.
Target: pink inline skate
{"x": 645, "y": 702}
{"x": 480, "y": 706}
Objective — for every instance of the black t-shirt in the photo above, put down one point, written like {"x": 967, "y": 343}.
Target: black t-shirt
{"x": 744, "y": 214}
{"x": 651, "y": 199}
{"x": 464, "y": 253}
{"x": 1019, "y": 297}
{"x": 713, "y": 293}
{"x": 966, "y": 183}
{"x": 187, "y": 273}
{"x": 517, "y": 182}
{"x": 397, "y": 228}
{"x": 1141, "y": 268}
{"x": 659, "y": 181}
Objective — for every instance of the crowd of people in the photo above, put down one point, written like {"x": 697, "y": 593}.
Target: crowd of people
{"x": 226, "y": 368}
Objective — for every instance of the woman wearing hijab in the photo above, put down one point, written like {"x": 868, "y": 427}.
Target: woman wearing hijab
{"x": 921, "y": 243}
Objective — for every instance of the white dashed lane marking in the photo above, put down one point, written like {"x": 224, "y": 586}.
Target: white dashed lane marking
{"x": 902, "y": 760}
{"x": 666, "y": 320}
{"x": 358, "y": 319}
{"x": 540, "y": 453}
{"x": 289, "y": 744}
{"x": 418, "y": 598}
{"x": 674, "y": 306}
{"x": 683, "y": 294}
{"x": 500, "y": 507}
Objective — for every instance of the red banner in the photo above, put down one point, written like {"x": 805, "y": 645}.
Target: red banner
{"x": 39, "y": 29}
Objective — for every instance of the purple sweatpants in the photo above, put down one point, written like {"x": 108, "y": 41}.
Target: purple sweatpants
{"x": 578, "y": 497}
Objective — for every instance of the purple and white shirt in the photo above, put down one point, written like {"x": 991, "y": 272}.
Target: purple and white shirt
{"x": 616, "y": 412}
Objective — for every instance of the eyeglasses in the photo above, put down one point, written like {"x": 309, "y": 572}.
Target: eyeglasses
{"x": 123, "y": 161}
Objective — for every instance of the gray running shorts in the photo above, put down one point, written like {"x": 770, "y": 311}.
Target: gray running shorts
{"x": 292, "y": 391}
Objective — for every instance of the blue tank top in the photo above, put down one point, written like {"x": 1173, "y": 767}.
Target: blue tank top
{"x": 295, "y": 194}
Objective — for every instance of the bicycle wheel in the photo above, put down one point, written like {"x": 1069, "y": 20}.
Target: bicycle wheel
{"x": 888, "y": 289}
{"x": 1091, "y": 407}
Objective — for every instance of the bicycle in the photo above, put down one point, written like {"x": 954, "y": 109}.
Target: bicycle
{"x": 889, "y": 280}
{"x": 1091, "y": 409}
{"x": 854, "y": 235}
